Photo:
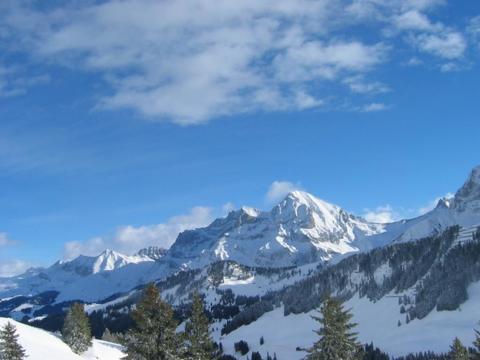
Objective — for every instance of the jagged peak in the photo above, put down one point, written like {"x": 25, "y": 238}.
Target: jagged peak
{"x": 297, "y": 198}
{"x": 469, "y": 194}
{"x": 152, "y": 252}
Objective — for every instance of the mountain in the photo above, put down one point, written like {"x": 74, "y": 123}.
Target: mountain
{"x": 299, "y": 230}
{"x": 108, "y": 260}
{"x": 463, "y": 209}
{"x": 263, "y": 269}
{"x": 152, "y": 252}
{"x": 41, "y": 345}
{"x": 107, "y": 273}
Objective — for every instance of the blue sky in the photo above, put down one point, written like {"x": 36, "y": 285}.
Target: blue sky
{"x": 125, "y": 122}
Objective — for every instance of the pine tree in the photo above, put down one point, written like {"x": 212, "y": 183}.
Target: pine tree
{"x": 154, "y": 336}
{"x": 476, "y": 344}
{"x": 337, "y": 341}
{"x": 200, "y": 346}
{"x": 458, "y": 351}
{"x": 76, "y": 330}
{"x": 10, "y": 349}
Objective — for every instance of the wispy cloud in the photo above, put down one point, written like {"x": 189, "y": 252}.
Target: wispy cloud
{"x": 241, "y": 56}
{"x": 13, "y": 267}
{"x": 5, "y": 240}
{"x": 279, "y": 189}
{"x": 374, "y": 107}
{"x": 382, "y": 214}
{"x": 129, "y": 239}
{"x": 14, "y": 81}
{"x": 388, "y": 213}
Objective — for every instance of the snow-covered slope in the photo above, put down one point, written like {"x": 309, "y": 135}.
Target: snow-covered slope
{"x": 463, "y": 209}
{"x": 377, "y": 323}
{"x": 41, "y": 345}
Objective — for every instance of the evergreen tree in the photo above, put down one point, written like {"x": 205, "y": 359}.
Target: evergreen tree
{"x": 200, "y": 345}
{"x": 337, "y": 341}
{"x": 154, "y": 335}
{"x": 76, "y": 330}
{"x": 476, "y": 344}
{"x": 10, "y": 349}
{"x": 458, "y": 351}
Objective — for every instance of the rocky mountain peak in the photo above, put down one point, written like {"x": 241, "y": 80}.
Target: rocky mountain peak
{"x": 152, "y": 252}
{"x": 467, "y": 197}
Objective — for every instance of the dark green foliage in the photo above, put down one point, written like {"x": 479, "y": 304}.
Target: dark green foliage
{"x": 199, "y": 345}
{"x": 337, "y": 341}
{"x": 227, "y": 357}
{"x": 476, "y": 346}
{"x": 458, "y": 351}
{"x": 424, "y": 356}
{"x": 248, "y": 315}
{"x": 10, "y": 349}
{"x": 241, "y": 347}
{"x": 154, "y": 336}
{"x": 372, "y": 353}
{"x": 76, "y": 331}
{"x": 256, "y": 356}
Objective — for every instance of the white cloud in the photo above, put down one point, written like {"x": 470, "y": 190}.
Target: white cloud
{"x": 14, "y": 81}
{"x": 129, "y": 239}
{"x": 388, "y": 213}
{"x": 279, "y": 189}
{"x": 413, "y": 20}
{"x": 473, "y": 29}
{"x": 228, "y": 207}
{"x": 158, "y": 56}
{"x": 450, "y": 45}
{"x": 359, "y": 84}
{"x": 13, "y": 267}
{"x": 374, "y": 107}
{"x": 382, "y": 214}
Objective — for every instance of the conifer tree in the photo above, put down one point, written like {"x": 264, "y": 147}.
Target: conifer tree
{"x": 476, "y": 344}
{"x": 337, "y": 341}
{"x": 76, "y": 330}
{"x": 458, "y": 351}
{"x": 154, "y": 335}
{"x": 200, "y": 345}
{"x": 10, "y": 349}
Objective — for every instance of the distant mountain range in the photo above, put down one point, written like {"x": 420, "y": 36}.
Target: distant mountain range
{"x": 264, "y": 258}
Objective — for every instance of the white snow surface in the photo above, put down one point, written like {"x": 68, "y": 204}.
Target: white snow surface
{"x": 41, "y": 345}
{"x": 377, "y": 323}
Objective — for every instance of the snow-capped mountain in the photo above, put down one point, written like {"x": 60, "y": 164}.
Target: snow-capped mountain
{"x": 108, "y": 260}
{"x": 299, "y": 230}
{"x": 463, "y": 209}
{"x": 107, "y": 273}
{"x": 259, "y": 268}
